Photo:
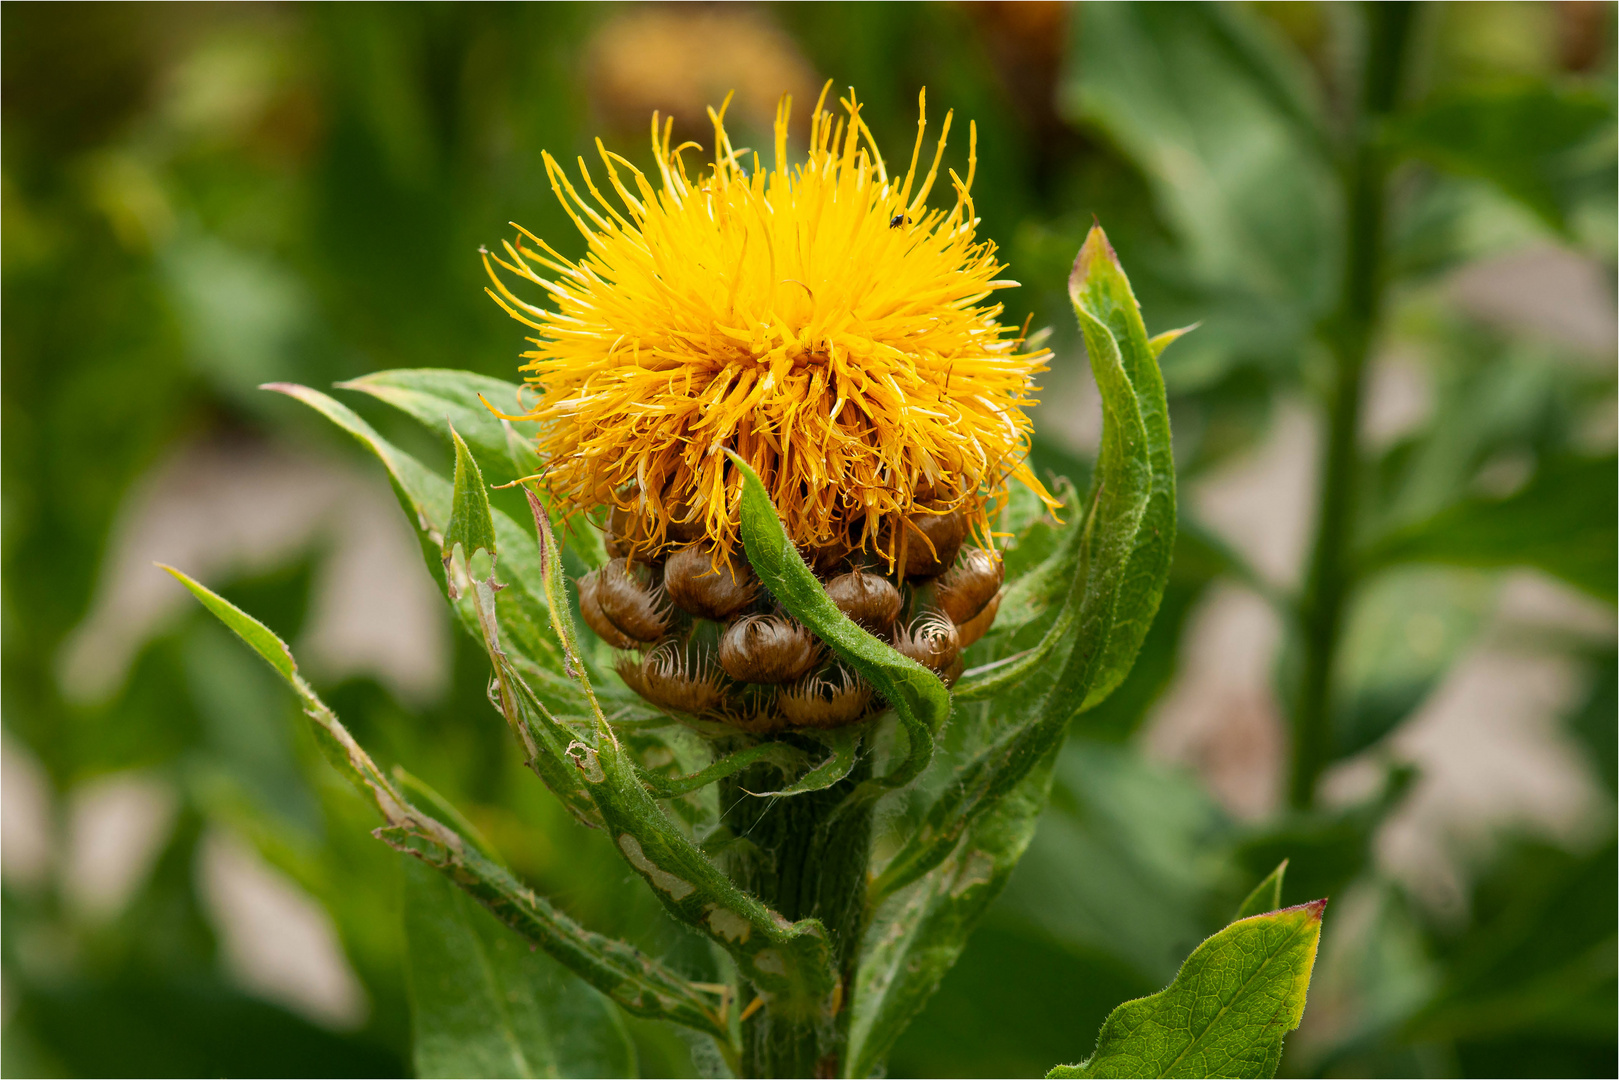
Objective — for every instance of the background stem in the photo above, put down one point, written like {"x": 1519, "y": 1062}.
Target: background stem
{"x": 1348, "y": 335}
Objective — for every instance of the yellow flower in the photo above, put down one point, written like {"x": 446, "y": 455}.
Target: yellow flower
{"x": 819, "y": 318}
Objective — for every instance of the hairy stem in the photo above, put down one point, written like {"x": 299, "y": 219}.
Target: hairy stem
{"x": 805, "y": 863}
{"x": 1348, "y": 334}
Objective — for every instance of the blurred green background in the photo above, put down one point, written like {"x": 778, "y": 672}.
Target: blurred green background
{"x": 201, "y": 198}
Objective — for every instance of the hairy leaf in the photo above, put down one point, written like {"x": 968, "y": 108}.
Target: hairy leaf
{"x": 1075, "y": 648}
{"x": 1099, "y": 287}
{"x": 845, "y": 746}
{"x": 917, "y": 940}
{"x": 782, "y": 755}
{"x": 444, "y": 399}
{"x": 1226, "y": 1013}
{"x": 943, "y": 879}
{"x": 916, "y": 694}
{"x": 427, "y": 500}
{"x": 470, "y": 525}
{"x": 636, "y": 982}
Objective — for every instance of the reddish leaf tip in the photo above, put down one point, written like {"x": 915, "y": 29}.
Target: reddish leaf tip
{"x": 1096, "y": 247}
{"x": 1315, "y": 908}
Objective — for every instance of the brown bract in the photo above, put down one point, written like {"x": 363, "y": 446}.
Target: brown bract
{"x": 933, "y": 539}
{"x": 826, "y": 699}
{"x": 708, "y": 591}
{"x": 767, "y": 649}
{"x": 626, "y": 595}
{"x": 869, "y": 600}
{"x": 963, "y": 590}
{"x": 931, "y": 640}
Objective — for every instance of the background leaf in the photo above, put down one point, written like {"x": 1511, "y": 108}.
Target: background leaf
{"x": 486, "y": 1003}
{"x": 1531, "y": 140}
{"x": 1267, "y": 895}
{"x": 1565, "y": 521}
{"x": 1214, "y": 109}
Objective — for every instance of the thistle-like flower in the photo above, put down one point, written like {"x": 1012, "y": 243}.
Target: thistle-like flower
{"x": 821, "y": 321}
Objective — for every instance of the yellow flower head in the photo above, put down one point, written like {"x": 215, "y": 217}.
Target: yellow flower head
{"x": 819, "y": 319}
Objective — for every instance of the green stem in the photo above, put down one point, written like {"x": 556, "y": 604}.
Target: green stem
{"x": 806, "y": 858}
{"x": 1349, "y": 335}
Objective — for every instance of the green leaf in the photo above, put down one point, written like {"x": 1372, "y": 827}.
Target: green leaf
{"x": 916, "y": 693}
{"x": 484, "y": 1003}
{"x": 1364, "y": 717}
{"x": 636, "y": 982}
{"x": 1159, "y": 342}
{"x": 256, "y": 634}
{"x": 471, "y": 525}
{"x": 1043, "y": 587}
{"x": 1028, "y": 600}
{"x": 782, "y": 755}
{"x": 1534, "y": 968}
{"x": 1539, "y": 144}
{"x": 1098, "y": 287}
{"x": 919, "y": 937}
{"x": 845, "y": 746}
{"x": 554, "y": 589}
{"x": 1226, "y": 1013}
{"x": 428, "y": 502}
{"x": 1267, "y": 895}
{"x": 421, "y": 789}
{"x": 1565, "y": 521}
{"x": 1123, "y": 864}
{"x": 974, "y": 834}
{"x": 335, "y": 742}
{"x": 446, "y": 400}
{"x": 439, "y": 511}
{"x": 1110, "y": 587}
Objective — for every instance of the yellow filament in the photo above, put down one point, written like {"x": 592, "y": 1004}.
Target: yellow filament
{"x": 824, "y": 324}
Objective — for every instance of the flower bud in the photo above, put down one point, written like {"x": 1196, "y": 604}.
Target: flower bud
{"x": 931, "y": 640}
{"x": 625, "y": 530}
{"x": 767, "y": 649}
{"x": 596, "y": 618}
{"x": 869, "y": 600}
{"x": 674, "y": 678}
{"x": 699, "y": 589}
{"x": 682, "y": 524}
{"x": 944, "y": 532}
{"x": 826, "y": 699}
{"x": 976, "y": 627}
{"x": 625, "y": 594}
{"x": 963, "y": 590}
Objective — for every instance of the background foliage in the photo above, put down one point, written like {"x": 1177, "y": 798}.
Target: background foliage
{"x": 197, "y": 200}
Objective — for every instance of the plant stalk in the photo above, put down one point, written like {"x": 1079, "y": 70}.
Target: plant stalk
{"x": 1348, "y": 334}
{"x": 802, "y": 868}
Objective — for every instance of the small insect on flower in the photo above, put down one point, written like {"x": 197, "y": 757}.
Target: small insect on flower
{"x": 822, "y": 321}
